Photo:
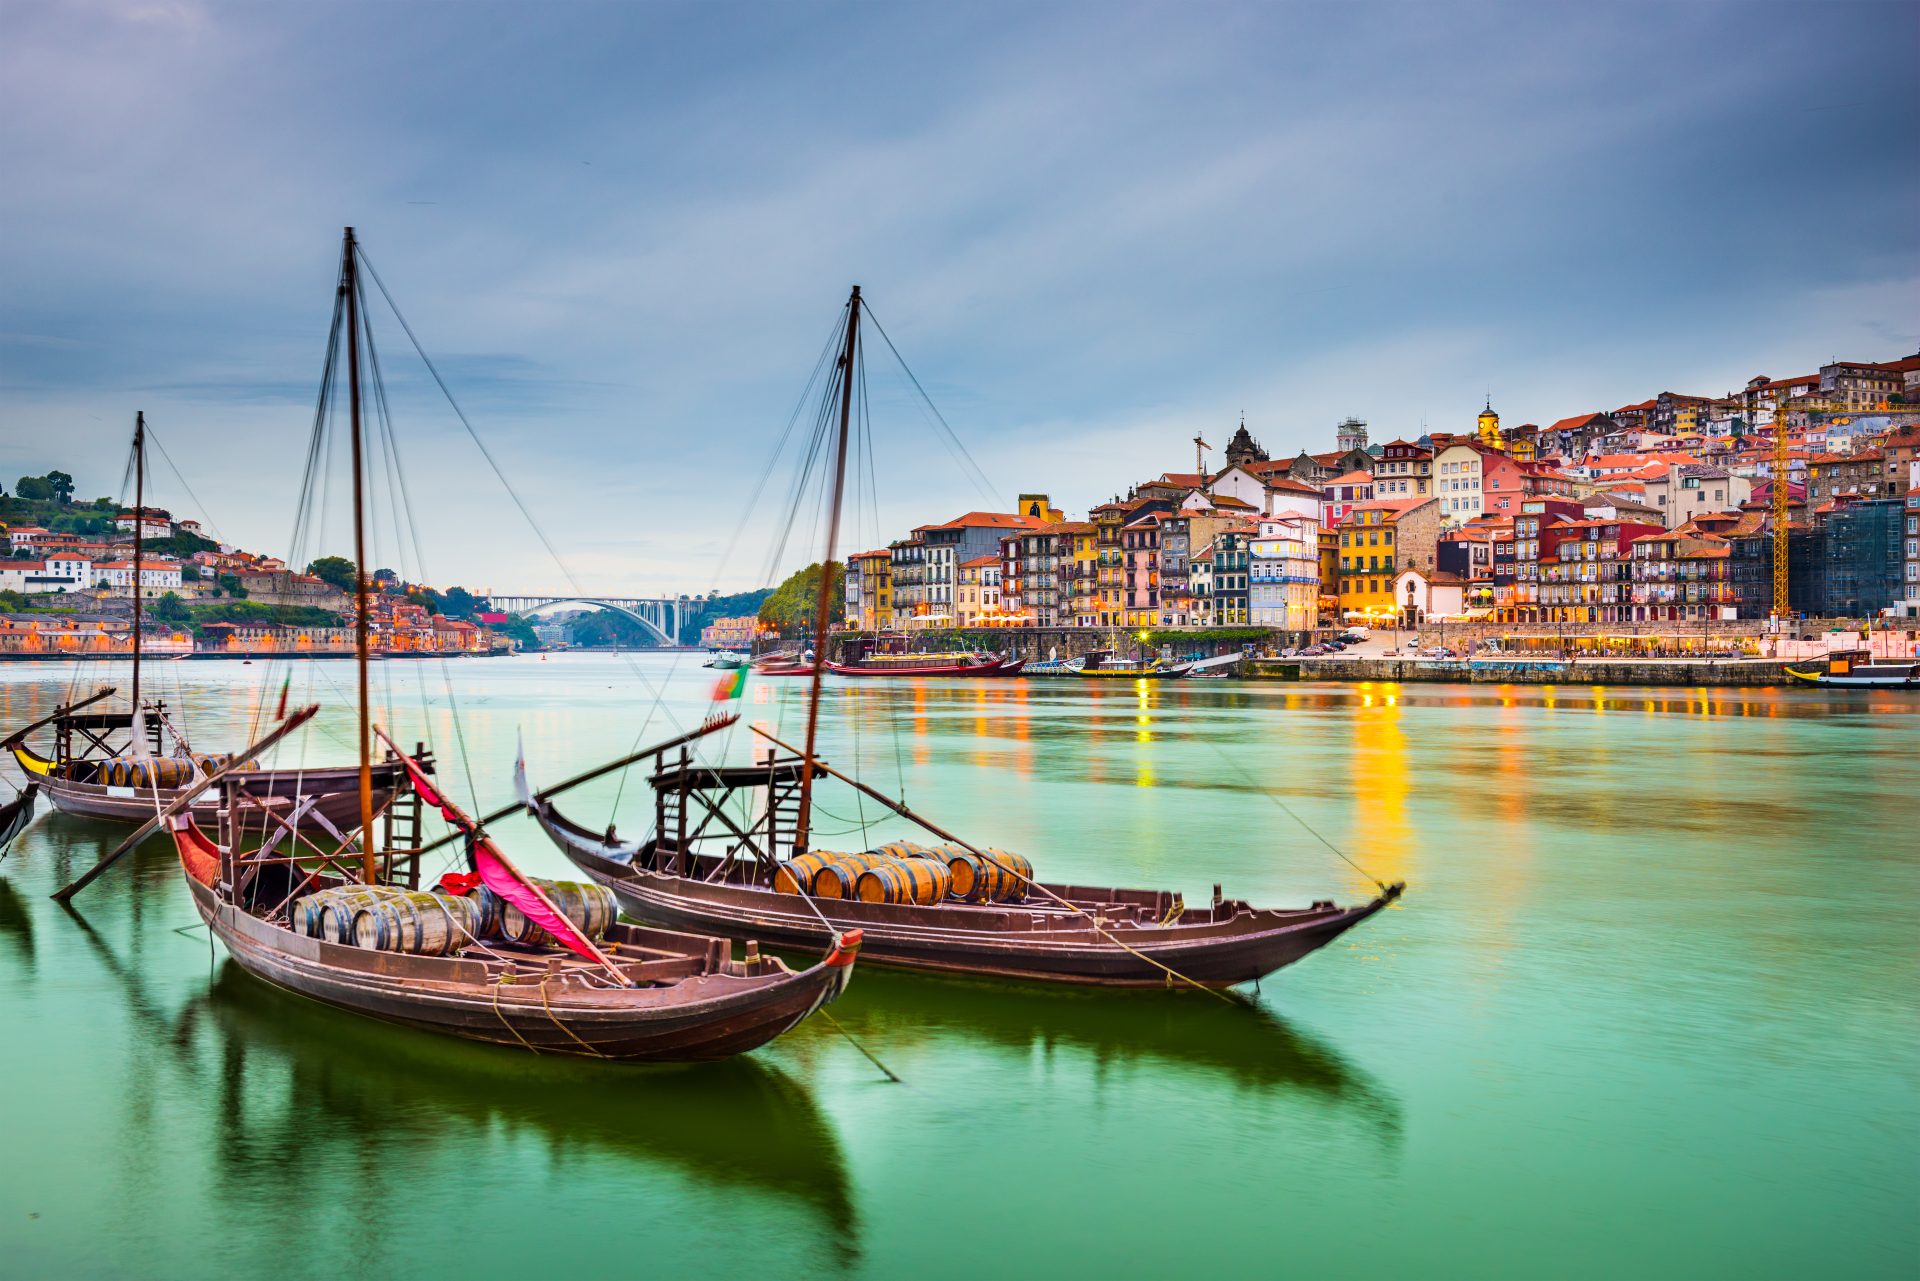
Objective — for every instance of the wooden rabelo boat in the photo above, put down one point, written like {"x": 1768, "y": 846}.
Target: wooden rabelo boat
{"x": 632, "y": 993}
{"x": 703, "y": 870}
{"x": 123, "y": 765}
{"x": 890, "y": 655}
{"x": 96, "y": 770}
{"x": 491, "y": 955}
{"x": 1856, "y": 669}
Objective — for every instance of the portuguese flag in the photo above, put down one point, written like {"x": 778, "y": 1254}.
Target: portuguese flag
{"x": 731, "y": 685}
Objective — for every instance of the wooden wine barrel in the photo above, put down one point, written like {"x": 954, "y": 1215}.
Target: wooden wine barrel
{"x": 329, "y": 914}
{"x": 419, "y": 924}
{"x": 488, "y": 909}
{"x": 796, "y": 875}
{"x": 900, "y": 849}
{"x": 905, "y": 880}
{"x": 836, "y": 880}
{"x": 995, "y": 880}
{"x": 963, "y": 874}
{"x": 589, "y": 905}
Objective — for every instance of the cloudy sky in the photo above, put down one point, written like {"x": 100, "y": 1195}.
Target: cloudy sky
{"x": 624, "y": 230}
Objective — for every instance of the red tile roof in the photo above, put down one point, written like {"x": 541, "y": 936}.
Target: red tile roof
{"x": 989, "y": 520}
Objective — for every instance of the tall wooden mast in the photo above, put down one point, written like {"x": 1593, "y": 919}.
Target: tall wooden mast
{"x": 824, "y": 603}
{"x": 350, "y": 288}
{"x": 139, "y": 543}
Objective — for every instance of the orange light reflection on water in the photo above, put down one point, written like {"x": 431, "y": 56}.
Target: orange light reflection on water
{"x": 1380, "y": 782}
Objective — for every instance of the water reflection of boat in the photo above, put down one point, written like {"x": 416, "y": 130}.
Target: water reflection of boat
{"x": 363, "y": 1095}
{"x": 16, "y": 923}
{"x": 343, "y": 1092}
{"x": 1243, "y": 1043}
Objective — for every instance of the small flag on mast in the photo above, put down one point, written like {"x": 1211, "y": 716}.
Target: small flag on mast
{"x": 730, "y": 685}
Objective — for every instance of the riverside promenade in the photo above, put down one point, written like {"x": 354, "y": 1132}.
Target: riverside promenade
{"x": 1513, "y": 670}
{"x": 1593, "y": 656}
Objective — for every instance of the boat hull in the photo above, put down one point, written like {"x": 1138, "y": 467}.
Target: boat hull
{"x": 998, "y": 667}
{"x": 713, "y": 1016}
{"x": 1235, "y": 945}
{"x": 1899, "y": 678}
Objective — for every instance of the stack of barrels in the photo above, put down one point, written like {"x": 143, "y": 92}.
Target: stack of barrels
{"x": 157, "y": 771}
{"x": 903, "y": 872}
{"x": 387, "y": 918}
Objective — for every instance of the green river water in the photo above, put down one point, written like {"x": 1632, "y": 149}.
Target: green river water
{"x": 1648, "y": 1008}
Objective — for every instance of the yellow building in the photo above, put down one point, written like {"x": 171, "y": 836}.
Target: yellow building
{"x": 1083, "y": 578}
{"x": 1041, "y": 508}
{"x": 1367, "y": 563}
{"x": 1329, "y": 573}
{"x": 1490, "y": 429}
{"x": 875, "y": 570}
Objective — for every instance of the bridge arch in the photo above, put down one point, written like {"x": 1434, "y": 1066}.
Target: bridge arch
{"x": 658, "y": 627}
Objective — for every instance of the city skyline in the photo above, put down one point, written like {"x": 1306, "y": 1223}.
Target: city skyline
{"x": 620, "y": 231}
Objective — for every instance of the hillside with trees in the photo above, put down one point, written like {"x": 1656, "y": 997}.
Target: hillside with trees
{"x": 791, "y": 606}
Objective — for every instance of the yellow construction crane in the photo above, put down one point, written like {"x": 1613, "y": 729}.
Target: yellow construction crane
{"x": 1781, "y": 463}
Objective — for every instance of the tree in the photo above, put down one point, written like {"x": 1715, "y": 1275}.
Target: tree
{"x": 230, "y": 585}
{"x": 461, "y": 603}
{"x": 702, "y": 612}
{"x": 337, "y": 571}
{"x": 33, "y": 487}
{"x": 792, "y": 605}
{"x": 519, "y": 630}
{"x": 62, "y": 486}
{"x": 171, "y": 609}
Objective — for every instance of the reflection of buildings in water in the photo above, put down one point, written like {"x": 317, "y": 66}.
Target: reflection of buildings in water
{"x": 1238, "y": 1043}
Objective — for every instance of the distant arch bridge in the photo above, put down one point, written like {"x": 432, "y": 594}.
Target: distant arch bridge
{"x": 662, "y": 617}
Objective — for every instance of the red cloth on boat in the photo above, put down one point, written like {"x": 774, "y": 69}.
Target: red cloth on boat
{"x": 461, "y": 883}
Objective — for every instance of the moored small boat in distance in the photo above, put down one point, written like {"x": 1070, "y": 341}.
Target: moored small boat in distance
{"x": 725, "y": 660}
{"x": 784, "y": 663}
{"x": 891, "y": 655}
{"x": 1103, "y": 664}
{"x": 1856, "y": 669}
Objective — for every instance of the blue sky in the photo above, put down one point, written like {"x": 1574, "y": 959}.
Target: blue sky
{"x": 624, "y": 231}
